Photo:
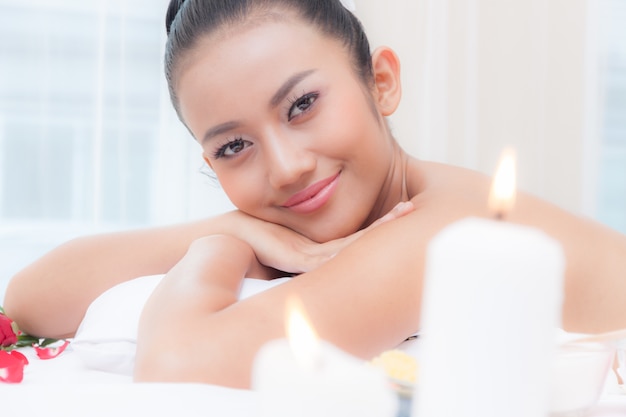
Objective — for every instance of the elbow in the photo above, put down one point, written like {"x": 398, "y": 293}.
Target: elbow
{"x": 28, "y": 305}
{"x": 16, "y": 304}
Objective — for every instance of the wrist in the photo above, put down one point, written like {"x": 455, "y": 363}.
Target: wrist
{"x": 230, "y": 223}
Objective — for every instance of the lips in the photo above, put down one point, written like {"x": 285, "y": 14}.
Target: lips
{"x": 313, "y": 197}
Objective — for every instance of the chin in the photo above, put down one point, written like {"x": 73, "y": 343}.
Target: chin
{"x": 326, "y": 233}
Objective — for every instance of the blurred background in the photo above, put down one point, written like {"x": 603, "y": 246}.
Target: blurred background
{"x": 89, "y": 142}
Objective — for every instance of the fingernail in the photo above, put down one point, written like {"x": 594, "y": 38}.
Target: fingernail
{"x": 401, "y": 205}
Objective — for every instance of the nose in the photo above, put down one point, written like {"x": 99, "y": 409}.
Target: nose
{"x": 288, "y": 159}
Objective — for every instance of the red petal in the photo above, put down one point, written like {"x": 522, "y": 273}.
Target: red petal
{"x": 20, "y": 356}
{"x": 11, "y": 367}
{"x": 50, "y": 352}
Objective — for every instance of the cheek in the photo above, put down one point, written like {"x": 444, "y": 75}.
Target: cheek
{"x": 242, "y": 189}
{"x": 356, "y": 134}
{"x": 356, "y": 118}
{"x": 342, "y": 129}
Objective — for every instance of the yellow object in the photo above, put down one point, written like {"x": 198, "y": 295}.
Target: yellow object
{"x": 397, "y": 365}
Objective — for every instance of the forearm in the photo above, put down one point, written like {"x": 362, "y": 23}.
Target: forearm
{"x": 204, "y": 282}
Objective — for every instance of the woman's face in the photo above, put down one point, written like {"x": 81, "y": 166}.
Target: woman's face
{"x": 287, "y": 126}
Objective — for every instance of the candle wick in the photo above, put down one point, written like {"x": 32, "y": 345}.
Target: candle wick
{"x": 499, "y": 215}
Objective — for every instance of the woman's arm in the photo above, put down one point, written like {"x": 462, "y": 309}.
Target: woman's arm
{"x": 50, "y": 296}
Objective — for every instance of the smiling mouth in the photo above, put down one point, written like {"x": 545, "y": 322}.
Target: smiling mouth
{"x": 313, "y": 197}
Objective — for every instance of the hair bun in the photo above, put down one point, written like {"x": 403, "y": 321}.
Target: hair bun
{"x": 172, "y": 11}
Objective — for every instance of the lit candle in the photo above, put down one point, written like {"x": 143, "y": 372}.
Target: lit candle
{"x": 503, "y": 188}
{"x": 491, "y": 304}
{"x": 305, "y": 376}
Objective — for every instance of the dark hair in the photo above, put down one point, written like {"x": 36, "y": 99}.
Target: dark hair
{"x": 188, "y": 20}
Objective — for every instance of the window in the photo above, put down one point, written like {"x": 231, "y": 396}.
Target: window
{"x": 80, "y": 101}
{"x": 88, "y": 138}
{"x": 611, "y": 189}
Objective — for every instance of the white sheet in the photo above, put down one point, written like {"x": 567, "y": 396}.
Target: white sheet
{"x": 137, "y": 400}
{"x": 64, "y": 387}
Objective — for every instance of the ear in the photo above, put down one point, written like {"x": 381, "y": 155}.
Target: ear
{"x": 206, "y": 159}
{"x": 387, "y": 85}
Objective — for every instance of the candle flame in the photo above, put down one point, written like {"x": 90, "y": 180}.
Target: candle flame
{"x": 502, "y": 195}
{"x": 302, "y": 337}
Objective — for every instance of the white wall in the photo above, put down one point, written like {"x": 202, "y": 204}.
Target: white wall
{"x": 480, "y": 75}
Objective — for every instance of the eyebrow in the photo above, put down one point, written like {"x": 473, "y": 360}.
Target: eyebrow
{"x": 291, "y": 82}
{"x": 277, "y": 98}
{"x": 219, "y": 129}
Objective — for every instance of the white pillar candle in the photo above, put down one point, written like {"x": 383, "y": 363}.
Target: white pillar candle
{"x": 491, "y": 304}
{"x": 304, "y": 376}
{"x": 337, "y": 385}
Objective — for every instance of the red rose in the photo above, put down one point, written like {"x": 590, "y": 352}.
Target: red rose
{"x": 7, "y": 335}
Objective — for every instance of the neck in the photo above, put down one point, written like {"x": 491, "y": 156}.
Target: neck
{"x": 394, "y": 188}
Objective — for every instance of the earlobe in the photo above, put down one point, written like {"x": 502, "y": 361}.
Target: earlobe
{"x": 388, "y": 88}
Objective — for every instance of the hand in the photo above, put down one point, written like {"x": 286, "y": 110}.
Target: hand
{"x": 281, "y": 248}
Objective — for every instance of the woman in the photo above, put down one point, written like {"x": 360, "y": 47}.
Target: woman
{"x": 289, "y": 107}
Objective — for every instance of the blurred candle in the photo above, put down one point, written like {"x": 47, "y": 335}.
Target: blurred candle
{"x": 491, "y": 304}
{"x": 304, "y": 376}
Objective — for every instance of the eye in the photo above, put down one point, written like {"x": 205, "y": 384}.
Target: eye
{"x": 231, "y": 148}
{"x": 301, "y": 105}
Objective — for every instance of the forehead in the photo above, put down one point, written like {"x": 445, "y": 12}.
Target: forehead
{"x": 256, "y": 56}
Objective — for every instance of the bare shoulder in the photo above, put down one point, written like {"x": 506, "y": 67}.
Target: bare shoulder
{"x": 595, "y": 254}
{"x": 426, "y": 176}
{"x": 447, "y": 191}
{"x": 465, "y": 192}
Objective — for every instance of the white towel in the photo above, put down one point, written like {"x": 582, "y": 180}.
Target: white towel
{"x": 106, "y": 338}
